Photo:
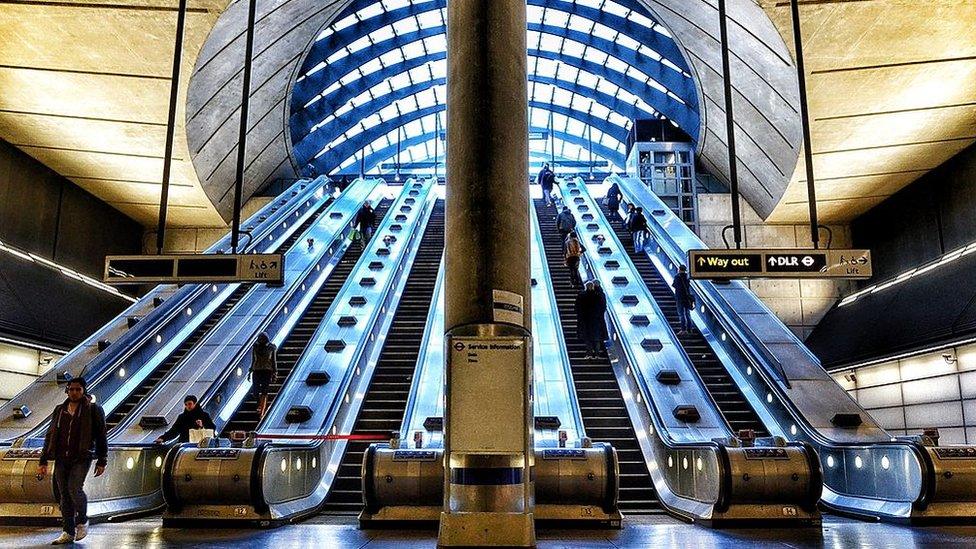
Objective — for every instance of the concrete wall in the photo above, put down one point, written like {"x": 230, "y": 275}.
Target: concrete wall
{"x": 198, "y": 239}
{"x": 19, "y": 366}
{"x": 800, "y": 304}
{"x": 936, "y": 389}
{"x": 931, "y": 217}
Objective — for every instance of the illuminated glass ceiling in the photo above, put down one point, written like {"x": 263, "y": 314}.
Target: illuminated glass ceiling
{"x": 374, "y": 82}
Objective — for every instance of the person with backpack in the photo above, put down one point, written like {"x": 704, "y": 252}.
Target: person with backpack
{"x": 638, "y": 229}
{"x": 684, "y": 299}
{"x": 76, "y": 436}
{"x": 573, "y": 253}
{"x": 565, "y": 223}
{"x": 264, "y": 370}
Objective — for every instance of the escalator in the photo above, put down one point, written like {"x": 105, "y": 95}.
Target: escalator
{"x": 385, "y": 400}
{"x": 600, "y": 400}
{"x": 733, "y": 405}
{"x": 149, "y": 384}
{"x": 246, "y": 417}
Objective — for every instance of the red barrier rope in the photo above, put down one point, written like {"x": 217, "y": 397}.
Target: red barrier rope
{"x": 322, "y": 437}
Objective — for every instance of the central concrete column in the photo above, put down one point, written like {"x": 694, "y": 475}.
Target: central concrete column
{"x": 488, "y": 495}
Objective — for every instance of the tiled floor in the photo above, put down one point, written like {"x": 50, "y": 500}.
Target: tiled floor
{"x": 652, "y": 532}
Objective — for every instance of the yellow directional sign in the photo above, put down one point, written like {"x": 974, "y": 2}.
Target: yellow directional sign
{"x": 180, "y": 268}
{"x": 779, "y": 263}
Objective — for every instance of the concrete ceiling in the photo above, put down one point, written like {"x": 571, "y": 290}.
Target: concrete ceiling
{"x": 84, "y": 89}
{"x": 892, "y": 88}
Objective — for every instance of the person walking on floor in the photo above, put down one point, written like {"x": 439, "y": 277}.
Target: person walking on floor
{"x": 573, "y": 250}
{"x": 75, "y": 437}
{"x": 192, "y": 417}
{"x": 565, "y": 223}
{"x": 591, "y": 323}
{"x": 264, "y": 370}
{"x": 364, "y": 223}
{"x": 683, "y": 297}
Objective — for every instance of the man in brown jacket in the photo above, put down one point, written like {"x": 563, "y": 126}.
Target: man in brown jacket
{"x": 74, "y": 438}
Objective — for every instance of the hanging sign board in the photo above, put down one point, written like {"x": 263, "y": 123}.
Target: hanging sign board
{"x": 181, "y": 268}
{"x": 779, "y": 263}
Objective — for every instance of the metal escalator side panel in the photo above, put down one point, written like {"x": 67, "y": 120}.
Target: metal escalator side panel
{"x": 167, "y": 321}
{"x": 337, "y": 403}
{"x": 225, "y": 347}
{"x": 625, "y": 314}
{"x": 427, "y": 387}
{"x": 553, "y": 388}
{"x": 387, "y": 391}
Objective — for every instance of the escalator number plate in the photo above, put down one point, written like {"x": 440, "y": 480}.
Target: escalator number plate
{"x": 414, "y": 455}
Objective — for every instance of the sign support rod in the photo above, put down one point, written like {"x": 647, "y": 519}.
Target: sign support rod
{"x": 730, "y": 126}
{"x": 801, "y": 77}
{"x": 242, "y": 136}
{"x": 174, "y": 91}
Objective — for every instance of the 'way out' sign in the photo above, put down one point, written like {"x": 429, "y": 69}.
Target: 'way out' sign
{"x": 788, "y": 263}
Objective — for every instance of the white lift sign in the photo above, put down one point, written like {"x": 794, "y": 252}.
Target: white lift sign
{"x": 789, "y": 263}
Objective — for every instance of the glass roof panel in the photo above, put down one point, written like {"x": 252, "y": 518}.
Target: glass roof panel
{"x": 362, "y": 81}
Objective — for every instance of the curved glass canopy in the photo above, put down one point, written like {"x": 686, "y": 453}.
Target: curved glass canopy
{"x": 372, "y": 89}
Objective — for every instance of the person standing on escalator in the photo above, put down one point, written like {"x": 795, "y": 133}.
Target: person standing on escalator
{"x": 573, "y": 251}
{"x": 565, "y": 223}
{"x": 638, "y": 229}
{"x": 684, "y": 299}
{"x": 364, "y": 223}
{"x": 192, "y": 417}
{"x": 613, "y": 197}
{"x": 591, "y": 322}
{"x": 546, "y": 179}
{"x": 264, "y": 371}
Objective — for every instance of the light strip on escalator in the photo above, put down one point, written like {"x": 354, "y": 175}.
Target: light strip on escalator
{"x": 65, "y": 271}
